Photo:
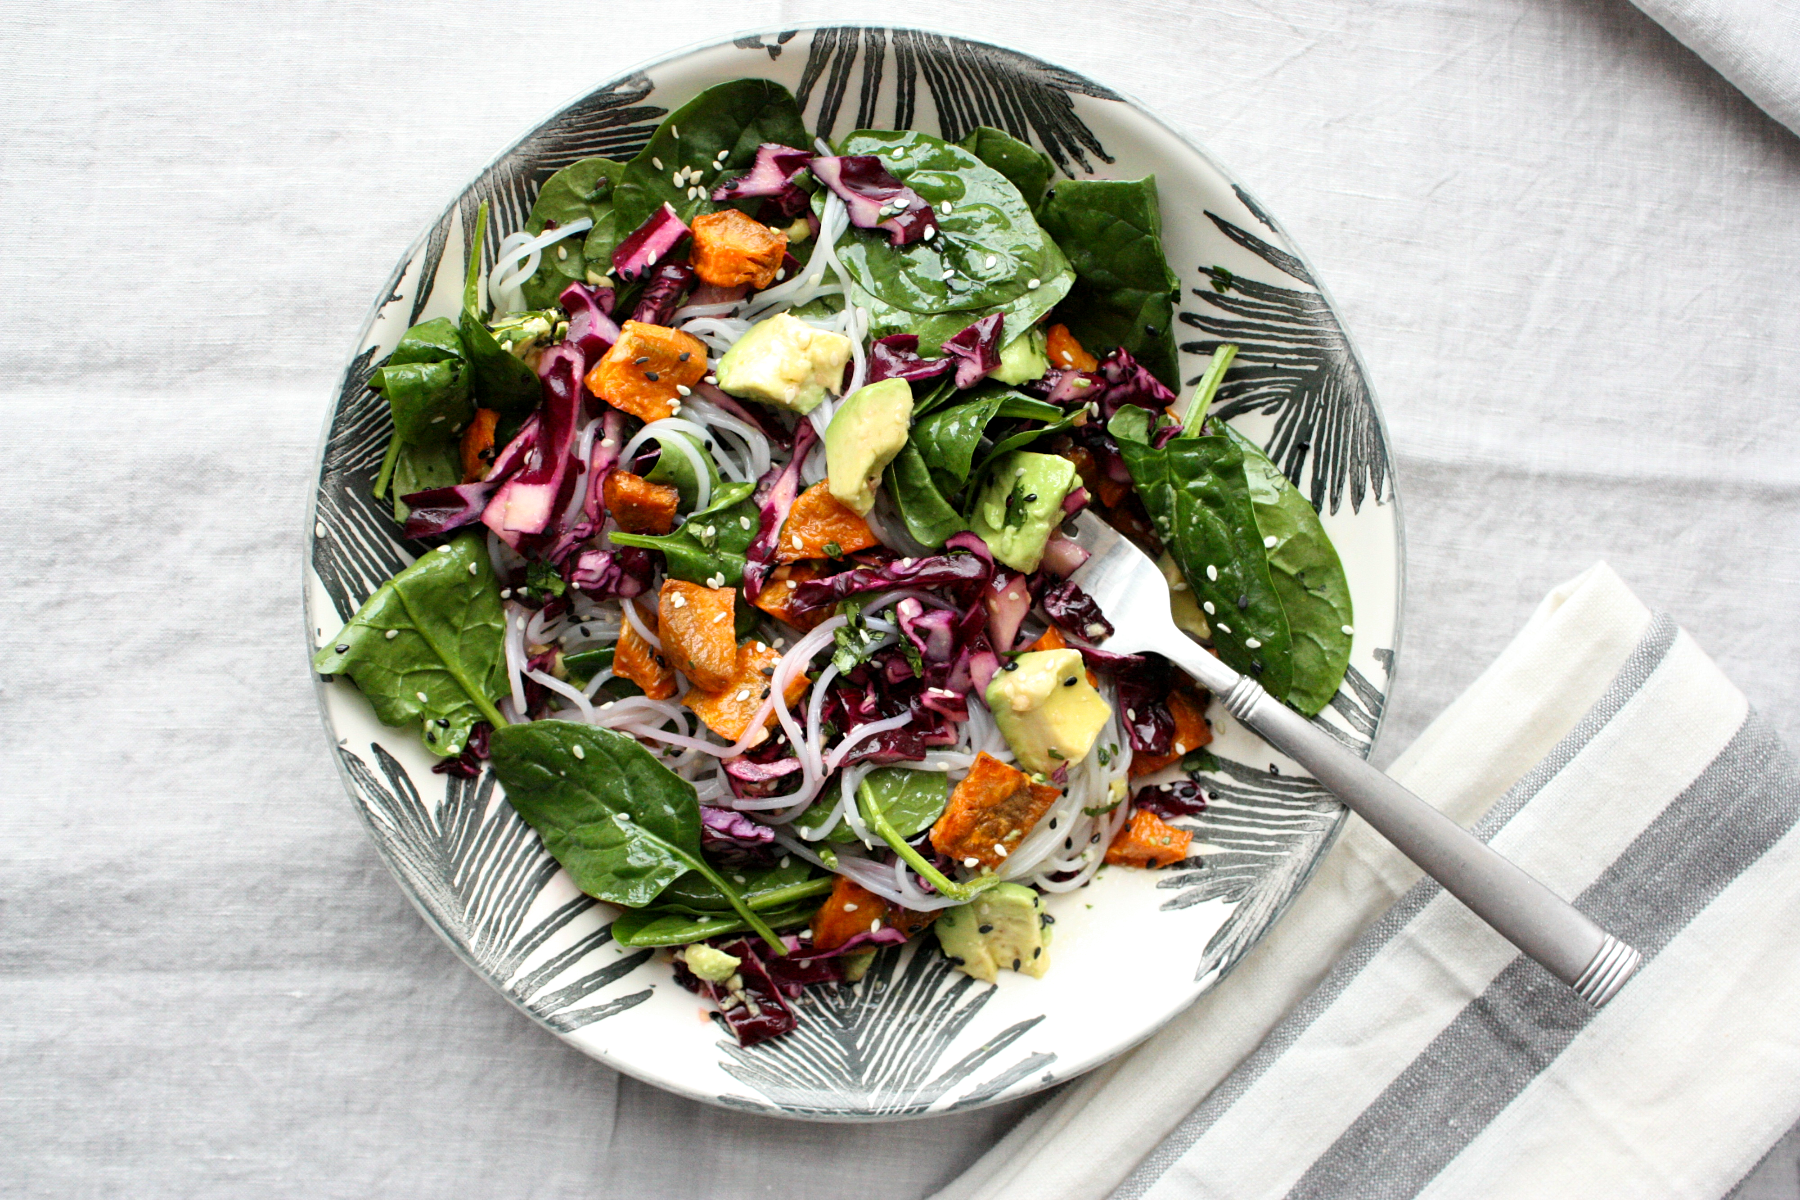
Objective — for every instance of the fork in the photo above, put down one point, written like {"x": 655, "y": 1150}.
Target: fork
{"x": 1133, "y": 593}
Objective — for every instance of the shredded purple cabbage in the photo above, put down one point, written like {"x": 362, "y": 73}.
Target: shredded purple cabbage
{"x": 1119, "y": 380}
{"x": 961, "y": 573}
{"x": 622, "y": 571}
{"x": 662, "y": 295}
{"x": 1008, "y": 600}
{"x": 439, "y": 510}
{"x": 876, "y": 199}
{"x": 1144, "y": 698}
{"x": 749, "y": 778}
{"x": 526, "y": 502}
{"x": 771, "y": 175}
{"x": 976, "y": 349}
{"x": 1076, "y": 612}
{"x": 896, "y": 356}
{"x": 1062, "y": 556}
{"x": 777, "y": 491}
{"x": 772, "y": 1017}
{"x": 648, "y": 243}
{"x": 1182, "y": 798}
{"x": 932, "y": 632}
{"x": 729, "y": 834}
{"x": 591, "y": 326}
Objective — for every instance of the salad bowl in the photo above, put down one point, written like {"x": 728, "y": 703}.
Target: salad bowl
{"x": 914, "y": 1036}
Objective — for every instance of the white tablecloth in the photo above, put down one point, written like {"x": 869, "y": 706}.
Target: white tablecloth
{"x": 1565, "y": 247}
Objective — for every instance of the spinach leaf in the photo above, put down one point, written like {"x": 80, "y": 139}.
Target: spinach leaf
{"x": 762, "y": 888}
{"x": 1022, "y": 438}
{"x": 426, "y": 384}
{"x": 1111, "y": 229}
{"x": 735, "y": 117}
{"x": 928, "y": 516}
{"x": 677, "y": 469}
{"x": 421, "y": 468}
{"x": 943, "y": 390}
{"x": 659, "y": 926}
{"x": 1027, "y": 168}
{"x": 710, "y": 543}
{"x": 822, "y": 808}
{"x": 910, "y": 800}
{"x": 947, "y": 438}
{"x": 623, "y": 825}
{"x": 1308, "y": 577}
{"x": 582, "y": 189}
{"x": 876, "y": 814}
{"x": 501, "y": 381}
{"x": 1198, "y": 497}
{"x": 988, "y": 254}
{"x": 427, "y": 646}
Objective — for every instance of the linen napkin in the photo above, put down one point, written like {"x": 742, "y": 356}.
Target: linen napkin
{"x": 1382, "y": 1041}
{"x": 1753, "y": 43}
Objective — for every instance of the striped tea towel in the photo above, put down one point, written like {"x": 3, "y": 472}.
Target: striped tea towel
{"x": 1381, "y": 1041}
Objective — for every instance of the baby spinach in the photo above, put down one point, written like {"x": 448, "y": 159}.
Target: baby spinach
{"x": 762, "y": 888}
{"x": 421, "y": 468}
{"x": 1198, "y": 497}
{"x": 677, "y": 469}
{"x": 823, "y": 809}
{"x": 735, "y": 118}
{"x": 1023, "y": 438}
{"x": 658, "y": 926}
{"x": 928, "y": 516}
{"x": 624, "y": 826}
{"x": 501, "y": 381}
{"x": 1308, "y": 577}
{"x": 947, "y": 438}
{"x": 988, "y": 254}
{"x": 1028, "y": 169}
{"x": 425, "y": 382}
{"x": 710, "y": 543}
{"x": 1111, "y": 229}
{"x": 427, "y": 646}
{"x": 582, "y": 189}
{"x": 910, "y": 800}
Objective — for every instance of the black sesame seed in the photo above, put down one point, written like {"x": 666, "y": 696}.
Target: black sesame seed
{"x": 685, "y": 355}
{"x": 1069, "y": 682}
{"x": 985, "y": 929}
{"x": 768, "y": 672}
{"x": 1243, "y": 603}
{"x": 443, "y": 722}
{"x": 640, "y": 360}
{"x": 1053, "y": 821}
{"x": 1031, "y": 498}
{"x": 1274, "y": 770}
{"x": 1068, "y": 843}
{"x": 343, "y": 648}
{"x": 1011, "y": 666}
{"x": 1095, "y": 838}
{"x": 1015, "y": 964}
{"x": 1256, "y": 665}
{"x": 652, "y": 376}
{"x": 1048, "y": 919}
{"x": 1036, "y": 950}
{"x": 661, "y": 661}
{"x": 1150, "y": 331}
{"x": 765, "y": 694}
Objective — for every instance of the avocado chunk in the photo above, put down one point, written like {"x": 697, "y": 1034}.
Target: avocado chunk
{"x": 864, "y": 435}
{"x": 1005, "y": 926}
{"x": 1046, "y": 709}
{"x": 786, "y": 363}
{"x": 1023, "y": 359}
{"x": 714, "y": 966}
{"x": 1021, "y": 505}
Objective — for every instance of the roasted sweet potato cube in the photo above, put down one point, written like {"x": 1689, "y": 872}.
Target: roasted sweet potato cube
{"x": 819, "y": 525}
{"x": 729, "y": 710}
{"x": 731, "y": 249}
{"x": 638, "y": 505}
{"x": 478, "y": 445}
{"x": 1065, "y": 352}
{"x": 777, "y": 595}
{"x": 695, "y": 624}
{"x": 1191, "y": 732}
{"x": 990, "y": 812}
{"x": 852, "y": 909}
{"x": 1148, "y": 841}
{"x": 637, "y": 660}
{"x": 646, "y": 368}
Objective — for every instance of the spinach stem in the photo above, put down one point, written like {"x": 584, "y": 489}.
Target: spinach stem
{"x": 1207, "y": 389}
{"x": 737, "y": 902}
{"x": 946, "y": 886}
{"x": 472, "y": 280}
{"x": 388, "y": 463}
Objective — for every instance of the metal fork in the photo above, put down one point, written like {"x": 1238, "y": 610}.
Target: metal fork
{"x": 1133, "y": 594}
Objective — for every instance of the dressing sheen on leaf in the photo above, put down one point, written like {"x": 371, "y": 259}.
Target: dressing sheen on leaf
{"x": 1112, "y": 232}
{"x": 987, "y": 255}
{"x": 624, "y": 826}
{"x": 1028, "y": 168}
{"x": 1308, "y": 577}
{"x": 427, "y": 646}
{"x": 910, "y": 800}
{"x": 582, "y": 189}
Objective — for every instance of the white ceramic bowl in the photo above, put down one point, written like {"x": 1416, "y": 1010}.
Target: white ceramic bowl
{"x": 1130, "y": 951}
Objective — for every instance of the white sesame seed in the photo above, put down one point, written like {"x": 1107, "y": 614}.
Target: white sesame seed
{"x": 675, "y": 132}
{"x": 608, "y": 704}
{"x": 656, "y": 162}
{"x": 875, "y": 925}
{"x": 993, "y": 260}
{"x": 815, "y": 280}
{"x": 1348, "y": 631}
{"x": 999, "y": 849}
{"x": 949, "y": 206}
{"x": 1252, "y": 643}
{"x": 443, "y": 549}
{"x": 577, "y": 751}
{"x": 744, "y": 694}
{"x": 678, "y": 178}
{"x": 391, "y": 634}
{"x": 506, "y": 593}
{"x": 609, "y": 443}
{"x": 743, "y": 522}
{"x": 780, "y": 274}
{"x": 474, "y": 568}
{"x": 1031, "y": 283}
{"x": 562, "y": 252}
{"x": 717, "y": 617}
{"x": 1212, "y": 572}
{"x": 712, "y": 379}
{"x": 796, "y": 540}
{"x": 1224, "y": 628}
{"x": 678, "y": 601}
{"x": 1269, "y": 543}
{"x": 971, "y": 862}
{"x": 682, "y": 389}
{"x": 421, "y": 695}
{"x": 1208, "y": 606}
{"x": 949, "y": 273}
{"x": 780, "y": 643}
{"x": 930, "y": 232}
{"x": 1131, "y": 714}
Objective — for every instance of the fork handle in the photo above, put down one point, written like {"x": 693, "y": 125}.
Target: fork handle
{"x": 1524, "y": 911}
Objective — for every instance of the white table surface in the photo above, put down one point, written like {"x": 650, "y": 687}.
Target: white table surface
{"x": 1566, "y": 249}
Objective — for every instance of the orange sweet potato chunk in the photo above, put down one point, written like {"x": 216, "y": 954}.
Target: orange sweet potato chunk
{"x": 695, "y": 624}
{"x": 1066, "y": 352}
{"x": 478, "y": 445}
{"x": 990, "y": 812}
{"x": 729, "y": 710}
{"x": 731, "y": 249}
{"x": 852, "y": 909}
{"x": 645, "y": 369}
{"x": 637, "y": 660}
{"x": 1148, "y": 841}
{"x": 1191, "y": 732}
{"x": 777, "y": 595}
{"x": 638, "y": 505}
{"x": 819, "y": 525}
